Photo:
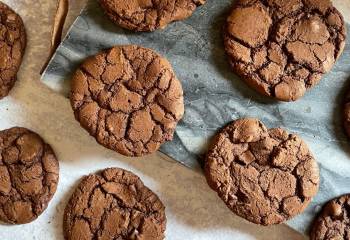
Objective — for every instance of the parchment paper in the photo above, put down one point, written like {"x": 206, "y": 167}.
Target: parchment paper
{"x": 215, "y": 96}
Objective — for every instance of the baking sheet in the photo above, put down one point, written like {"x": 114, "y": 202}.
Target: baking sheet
{"x": 215, "y": 96}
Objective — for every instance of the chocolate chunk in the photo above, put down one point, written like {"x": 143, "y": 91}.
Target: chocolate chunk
{"x": 281, "y": 48}
{"x": 29, "y": 174}
{"x": 148, "y": 15}
{"x": 266, "y": 176}
{"x": 128, "y": 98}
{"x": 114, "y": 204}
{"x": 333, "y": 223}
{"x": 12, "y": 46}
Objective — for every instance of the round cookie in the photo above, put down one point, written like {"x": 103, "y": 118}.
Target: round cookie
{"x": 266, "y": 176}
{"x": 29, "y": 173}
{"x": 12, "y": 46}
{"x": 114, "y": 204}
{"x": 148, "y": 15}
{"x": 281, "y": 48}
{"x": 334, "y": 221}
{"x": 128, "y": 98}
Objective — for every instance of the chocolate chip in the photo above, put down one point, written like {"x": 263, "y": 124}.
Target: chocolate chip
{"x": 334, "y": 209}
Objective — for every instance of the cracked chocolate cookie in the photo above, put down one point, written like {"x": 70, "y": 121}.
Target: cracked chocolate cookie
{"x": 148, "y": 15}
{"x": 281, "y": 48}
{"x": 29, "y": 174}
{"x": 128, "y": 98}
{"x": 334, "y": 221}
{"x": 12, "y": 46}
{"x": 114, "y": 204}
{"x": 266, "y": 176}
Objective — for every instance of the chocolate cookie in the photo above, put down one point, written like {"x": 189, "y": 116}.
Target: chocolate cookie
{"x": 266, "y": 176}
{"x": 12, "y": 45}
{"x": 281, "y": 48}
{"x": 28, "y": 175}
{"x": 334, "y": 221}
{"x": 128, "y": 98}
{"x": 114, "y": 204}
{"x": 148, "y": 15}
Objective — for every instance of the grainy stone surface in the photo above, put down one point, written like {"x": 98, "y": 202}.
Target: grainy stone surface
{"x": 346, "y": 113}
